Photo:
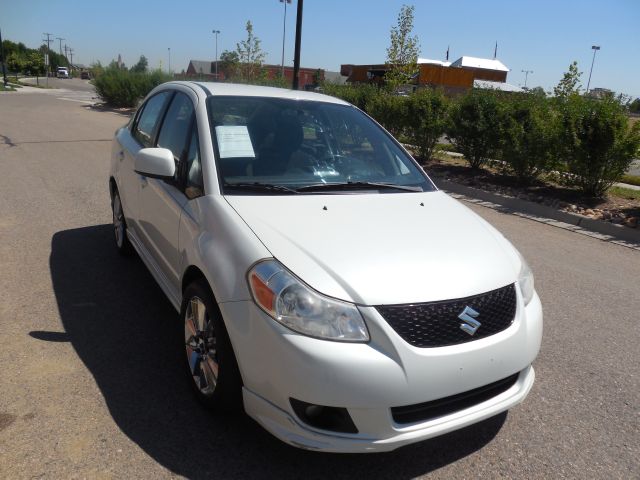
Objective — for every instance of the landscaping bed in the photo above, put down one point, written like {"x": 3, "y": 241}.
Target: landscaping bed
{"x": 619, "y": 206}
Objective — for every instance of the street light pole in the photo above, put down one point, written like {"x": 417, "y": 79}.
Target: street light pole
{"x": 595, "y": 48}
{"x": 216, "y": 32}
{"x": 296, "y": 56}
{"x": 169, "y": 49}
{"x": 526, "y": 75}
{"x": 284, "y": 32}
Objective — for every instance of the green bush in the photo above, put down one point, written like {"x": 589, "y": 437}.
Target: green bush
{"x": 427, "y": 111}
{"x": 358, "y": 95}
{"x": 597, "y": 142}
{"x": 474, "y": 125}
{"x": 122, "y": 88}
{"x": 390, "y": 111}
{"x": 528, "y": 136}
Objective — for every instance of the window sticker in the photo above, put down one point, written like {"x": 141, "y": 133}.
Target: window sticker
{"x": 234, "y": 141}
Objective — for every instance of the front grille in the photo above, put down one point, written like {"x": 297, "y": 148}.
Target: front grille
{"x": 423, "y": 412}
{"x": 437, "y": 324}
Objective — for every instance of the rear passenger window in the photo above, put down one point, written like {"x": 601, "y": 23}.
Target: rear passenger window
{"x": 148, "y": 122}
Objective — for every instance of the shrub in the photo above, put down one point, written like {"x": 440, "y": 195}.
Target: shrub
{"x": 390, "y": 111}
{"x": 597, "y": 142}
{"x": 358, "y": 95}
{"x": 426, "y": 120}
{"x": 528, "y": 136}
{"x": 474, "y": 126}
{"x": 122, "y": 88}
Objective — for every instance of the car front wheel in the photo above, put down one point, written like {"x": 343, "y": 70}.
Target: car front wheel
{"x": 210, "y": 361}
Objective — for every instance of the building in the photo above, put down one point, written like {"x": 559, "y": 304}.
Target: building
{"x": 454, "y": 77}
{"x": 206, "y": 70}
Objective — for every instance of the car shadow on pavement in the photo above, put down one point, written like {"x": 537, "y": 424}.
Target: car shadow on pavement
{"x": 127, "y": 334}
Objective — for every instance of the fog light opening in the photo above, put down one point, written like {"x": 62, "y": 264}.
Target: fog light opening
{"x": 334, "y": 419}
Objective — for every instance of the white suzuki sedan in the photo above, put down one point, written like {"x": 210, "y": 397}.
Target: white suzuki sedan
{"x": 326, "y": 286}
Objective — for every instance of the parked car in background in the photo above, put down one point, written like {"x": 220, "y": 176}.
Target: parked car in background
{"x": 323, "y": 282}
{"x": 63, "y": 72}
{"x": 84, "y": 75}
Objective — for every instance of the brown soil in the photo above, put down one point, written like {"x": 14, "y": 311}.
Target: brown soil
{"x": 611, "y": 208}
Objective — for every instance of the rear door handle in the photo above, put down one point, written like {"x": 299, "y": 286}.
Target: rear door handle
{"x": 143, "y": 181}
{"x": 121, "y": 155}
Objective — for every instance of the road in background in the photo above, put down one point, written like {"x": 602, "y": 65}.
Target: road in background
{"x": 91, "y": 386}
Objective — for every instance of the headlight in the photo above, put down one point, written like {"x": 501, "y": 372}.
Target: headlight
{"x": 296, "y": 306}
{"x": 525, "y": 280}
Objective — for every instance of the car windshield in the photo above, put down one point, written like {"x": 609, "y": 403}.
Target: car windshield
{"x": 282, "y": 146}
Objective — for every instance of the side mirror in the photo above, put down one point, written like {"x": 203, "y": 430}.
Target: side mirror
{"x": 155, "y": 163}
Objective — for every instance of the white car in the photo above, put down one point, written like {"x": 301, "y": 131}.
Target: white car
{"x": 325, "y": 284}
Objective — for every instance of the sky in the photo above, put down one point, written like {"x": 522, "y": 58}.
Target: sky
{"x": 544, "y": 36}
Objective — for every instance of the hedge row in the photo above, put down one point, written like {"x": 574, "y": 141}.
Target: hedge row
{"x": 586, "y": 137}
{"x": 123, "y": 88}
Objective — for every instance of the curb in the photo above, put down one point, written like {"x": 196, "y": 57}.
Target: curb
{"x": 605, "y": 231}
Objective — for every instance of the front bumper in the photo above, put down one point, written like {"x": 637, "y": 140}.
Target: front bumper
{"x": 368, "y": 379}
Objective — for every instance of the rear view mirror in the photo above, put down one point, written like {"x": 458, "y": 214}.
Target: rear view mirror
{"x": 155, "y": 163}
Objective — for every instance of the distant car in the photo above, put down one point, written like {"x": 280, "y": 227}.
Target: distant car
{"x": 323, "y": 281}
{"x": 85, "y": 75}
{"x": 63, "y": 72}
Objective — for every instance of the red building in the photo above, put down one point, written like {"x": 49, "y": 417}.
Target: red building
{"x": 206, "y": 70}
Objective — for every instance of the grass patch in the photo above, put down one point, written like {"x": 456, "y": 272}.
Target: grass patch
{"x": 631, "y": 179}
{"x": 624, "y": 193}
{"x": 8, "y": 88}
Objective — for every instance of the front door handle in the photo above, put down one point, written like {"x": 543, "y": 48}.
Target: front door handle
{"x": 120, "y": 155}
{"x": 143, "y": 181}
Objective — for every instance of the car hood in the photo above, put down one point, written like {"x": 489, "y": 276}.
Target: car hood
{"x": 376, "y": 249}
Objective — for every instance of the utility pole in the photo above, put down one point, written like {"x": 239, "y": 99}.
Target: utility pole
{"x": 169, "y": 49}
{"x": 296, "y": 56}
{"x": 48, "y": 40}
{"x": 71, "y": 63}
{"x": 284, "y": 31}
{"x": 216, "y": 32}
{"x": 2, "y": 61}
{"x": 526, "y": 75}
{"x": 595, "y": 48}
{"x": 60, "y": 39}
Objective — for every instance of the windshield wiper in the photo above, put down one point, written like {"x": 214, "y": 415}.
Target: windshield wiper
{"x": 264, "y": 187}
{"x": 357, "y": 186}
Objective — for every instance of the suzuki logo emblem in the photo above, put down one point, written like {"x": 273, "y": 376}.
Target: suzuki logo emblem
{"x": 469, "y": 323}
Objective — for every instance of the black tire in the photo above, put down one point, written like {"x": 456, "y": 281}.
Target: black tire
{"x": 226, "y": 394}
{"x": 123, "y": 245}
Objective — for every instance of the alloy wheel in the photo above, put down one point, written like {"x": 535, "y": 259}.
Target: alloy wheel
{"x": 200, "y": 346}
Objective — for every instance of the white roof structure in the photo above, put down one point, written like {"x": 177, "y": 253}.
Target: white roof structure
{"x": 485, "y": 63}
{"x": 505, "y": 87}
{"x": 433, "y": 62}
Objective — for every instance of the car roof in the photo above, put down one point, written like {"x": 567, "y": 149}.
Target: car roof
{"x": 233, "y": 89}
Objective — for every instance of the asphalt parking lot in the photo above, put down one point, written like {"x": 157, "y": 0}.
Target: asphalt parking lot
{"x": 90, "y": 385}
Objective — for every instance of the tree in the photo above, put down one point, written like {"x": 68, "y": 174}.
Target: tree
{"x": 528, "y": 136}
{"x": 34, "y": 63}
{"x": 427, "y": 111}
{"x": 475, "y": 124}
{"x": 570, "y": 83}
{"x": 141, "y": 66}
{"x": 402, "y": 54}
{"x": 634, "y": 107}
{"x": 228, "y": 64}
{"x": 250, "y": 55}
{"x": 597, "y": 141}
